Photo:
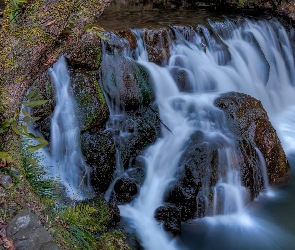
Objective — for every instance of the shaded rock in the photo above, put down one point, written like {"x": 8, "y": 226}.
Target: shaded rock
{"x": 157, "y": 42}
{"x": 25, "y": 230}
{"x": 115, "y": 215}
{"x": 129, "y": 36}
{"x": 197, "y": 172}
{"x": 249, "y": 120}
{"x": 125, "y": 189}
{"x": 92, "y": 108}
{"x": 99, "y": 151}
{"x": 171, "y": 218}
{"x": 44, "y": 91}
{"x": 147, "y": 129}
{"x": 88, "y": 55}
{"x": 5, "y": 180}
{"x": 125, "y": 83}
{"x": 119, "y": 41}
{"x": 49, "y": 246}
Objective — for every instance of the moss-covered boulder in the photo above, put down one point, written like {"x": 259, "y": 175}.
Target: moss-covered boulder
{"x": 92, "y": 109}
{"x": 249, "y": 120}
{"x": 88, "y": 54}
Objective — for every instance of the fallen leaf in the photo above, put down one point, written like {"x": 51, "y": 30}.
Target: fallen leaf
{"x": 49, "y": 23}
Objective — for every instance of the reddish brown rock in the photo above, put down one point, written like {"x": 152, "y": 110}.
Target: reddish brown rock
{"x": 249, "y": 120}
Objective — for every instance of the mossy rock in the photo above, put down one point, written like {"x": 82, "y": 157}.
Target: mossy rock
{"x": 100, "y": 153}
{"x": 92, "y": 109}
{"x": 113, "y": 241}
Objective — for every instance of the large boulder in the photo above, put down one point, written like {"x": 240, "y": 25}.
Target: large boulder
{"x": 99, "y": 151}
{"x": 205, "y": 159}
{"x": 249, "y": 120}
{"x": 92, "y": 109}
{"x": 171, "y": 219}
{"x": 125, "y": 82}
{"x": 27, "y": 233}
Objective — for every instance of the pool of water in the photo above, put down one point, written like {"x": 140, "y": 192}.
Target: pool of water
{"x": 268, "y": 223}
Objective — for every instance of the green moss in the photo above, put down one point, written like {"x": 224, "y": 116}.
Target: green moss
{"x": 90, "y": 121}
{"x": 100, "y": 93}
{"x": 113, "y": 241}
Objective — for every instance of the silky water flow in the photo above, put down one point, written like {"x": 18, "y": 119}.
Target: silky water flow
{"x": 253, "y": 57}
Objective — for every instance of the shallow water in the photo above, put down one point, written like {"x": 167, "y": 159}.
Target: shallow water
{"x": 268, "y": 223}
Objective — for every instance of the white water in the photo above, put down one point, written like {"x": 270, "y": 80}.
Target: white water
{"x": 261, "y": 64}
{"x": 66, "y": 158}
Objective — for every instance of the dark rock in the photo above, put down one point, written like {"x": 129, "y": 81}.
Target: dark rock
{"x": 92, "y": 109}
{"x": 146, "y": 130}
{"x": 25, "y": 231}
{"x": 129, "y": 36}
{"x": 157, "y": 42}
{"x": 88, "y": 55}
{"x": 5, "y": 180}
{"x": 125, "y": 190}
{"x": 119, "y": 41}
{"x": 115, "y": 215}
{"x": 44, "y": 91}
{"x": 49, "y": 246}
{"x": 125, "y": 83}
{"x": 249, "y": 120}
{"x": 198, "y": 172}
{"x": 171, "y": 218}
{"x": 99, "y": 151}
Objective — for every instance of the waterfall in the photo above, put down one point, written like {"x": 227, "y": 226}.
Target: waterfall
{"x": 255, "y": 58}
{"x": 66, "y": 158}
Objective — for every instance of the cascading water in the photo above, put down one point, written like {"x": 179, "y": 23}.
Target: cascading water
{"x": 254, "y": 58}
{"x": 66, "y": 158}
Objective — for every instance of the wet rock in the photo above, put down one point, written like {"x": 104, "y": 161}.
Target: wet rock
{"x": 43, "y": 91}
{"x": 157, "y": 42}
{"x": 115, "y": 215}
{"x": 25, "y": 231}
{"x": 126, "y": 83}
{"x": 247, "y": 159}
{"x": 249, "y": 120}
{"x": 5, "y": 180}
{"x": 197, "y": 173}
{"x": 129, "y": 36}
{"x": 125, "y": 189}
{"x": 99, "y": 151}
{"x": 171, "y": 218}
{"x": 92, "y": 109}
{"x": 119, "y": 41}
{"x": 146, "y": 130}
{"x": 88, "y": 55}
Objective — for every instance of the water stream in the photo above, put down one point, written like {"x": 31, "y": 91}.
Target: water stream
{"x": 253, "y": 57}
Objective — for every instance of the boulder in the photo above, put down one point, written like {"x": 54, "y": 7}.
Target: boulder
{"x": 171, "y": 218}
{"x": 27, "y": 233}
{"x": 99, "y": 151}
{"x": 5, "y": 180}
{"x": 125, "y": 189}
{"x": 157, "y": 43}
{"x": 125, "y": 82}
{"x": 88, "y": 54}
{"x": 249, "y": 120}
{"x": 204, "y": 158}
{"x": 92, "y": 109}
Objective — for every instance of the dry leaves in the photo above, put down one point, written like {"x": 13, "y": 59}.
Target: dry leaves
{"x": 6, "y": 243}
